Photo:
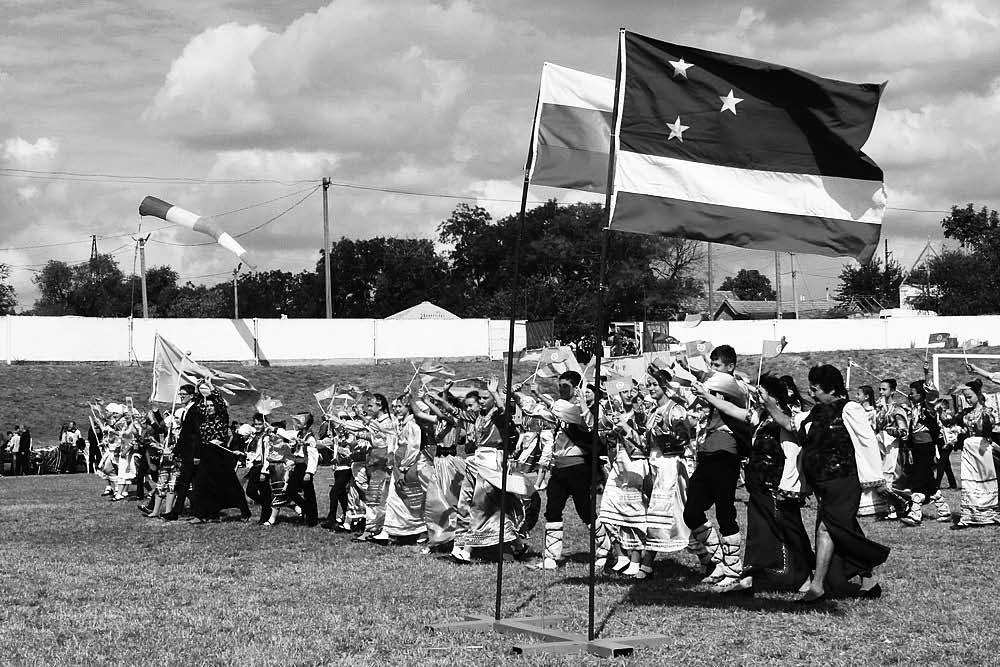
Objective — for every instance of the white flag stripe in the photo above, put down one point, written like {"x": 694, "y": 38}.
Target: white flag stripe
{"x": 569, "y": 87}
{"x": 777, "y": 192}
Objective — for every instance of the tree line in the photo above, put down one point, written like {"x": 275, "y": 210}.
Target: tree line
{"x": 467, "y": 269}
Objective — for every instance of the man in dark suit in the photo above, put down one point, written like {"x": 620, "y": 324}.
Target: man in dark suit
{"x": 23, "y": 460}
{"x": 187, "y": 450}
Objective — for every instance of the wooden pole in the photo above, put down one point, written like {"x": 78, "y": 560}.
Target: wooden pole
{"x": 708, "y": 255}
{"x": 777, "y": 285}
{"x": 142, "y": 268}
{"x": 328, "y": 286}
{"x": 795, "y": 298}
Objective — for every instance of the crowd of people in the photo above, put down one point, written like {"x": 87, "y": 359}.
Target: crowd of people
{"x": 427, "y": 467}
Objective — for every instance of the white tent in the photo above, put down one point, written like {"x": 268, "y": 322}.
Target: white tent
{"x": 424, "y": 310}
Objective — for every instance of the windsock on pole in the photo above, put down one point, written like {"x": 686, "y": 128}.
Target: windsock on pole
{"x": 179, "y": 216}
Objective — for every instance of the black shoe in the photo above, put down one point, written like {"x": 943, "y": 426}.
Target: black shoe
{"x": 806, "y": 600}
{"x": 873, "y": 593}
{"x": 169, "y": 516}
{"x": 145, "y": 510}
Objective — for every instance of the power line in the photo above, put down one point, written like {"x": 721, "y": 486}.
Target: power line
{"x": 248, "y": 231}
{"x": 138, "y": 178}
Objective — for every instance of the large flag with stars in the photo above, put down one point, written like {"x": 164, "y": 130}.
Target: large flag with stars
{"x": 737, "y": 151}
{"x": 571, "y": 136}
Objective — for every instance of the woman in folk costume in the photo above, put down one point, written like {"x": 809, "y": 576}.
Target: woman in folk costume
{"x": 873, "y": 501}
{"x": 440, "y": 466}
{"x": 404, "y": 506}
{"x": 532, "y": 454}
{"x": 478, "y": 509}
{"x": 626, "y": 491}
{"x": 216, "y": 484}
{"x": 951, "y": 428}
{"x": 669, "y": 429}
{"x": 380, "y": 435}
{"x": 777, "y": 544}
{"x": 830, "y": 437}
{"x": 918, "y": 484}
{"x": 127, "y": 431}
{"x": 891, "y": 428}
{"x": 279, "y": 459}
{"x": 979, "y": 472}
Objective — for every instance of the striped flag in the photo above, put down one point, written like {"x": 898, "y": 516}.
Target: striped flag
{"x": 718, "y": 148}
{"x": 172, "y": 367}
{"x": 557, "y": 360}
{"x": 973, "y": 343}
{"x": 434, "y": 371}
{"x": 571, "y": 136}
{"x": 326, "y": 394}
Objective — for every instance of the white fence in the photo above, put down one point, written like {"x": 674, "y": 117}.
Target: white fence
{"x": 82, "y": 339}
{"x": 296, "y": 341}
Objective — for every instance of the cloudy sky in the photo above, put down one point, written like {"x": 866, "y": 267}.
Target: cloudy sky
{"x": 421, "y": 96}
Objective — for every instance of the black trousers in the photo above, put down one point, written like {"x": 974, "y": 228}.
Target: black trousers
{"x": 183, "y": 487}
{"x": 918, "y": 471}
{"x": 714, "y": 483}
{"x": 565, "y": 483}
{"x": 944, "y": 468}
{"x": 338, "y": 493}
{"x": 21, "y": 463}
{"x": 303, "y": 494}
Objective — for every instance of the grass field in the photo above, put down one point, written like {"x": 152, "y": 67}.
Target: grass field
{"x": 85, "y": 581}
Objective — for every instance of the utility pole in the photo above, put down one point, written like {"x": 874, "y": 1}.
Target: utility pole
{"x": 795, "y": 298}
{"x": 777, "y": 285}
{"x": 326, "y": 249}
{"x": 142, "y": 281}
{"x": 885, "y": 274}
{"x": 93, "y": 254}
{"x": 711, "y": 312}
{"x": 236, "y": 294}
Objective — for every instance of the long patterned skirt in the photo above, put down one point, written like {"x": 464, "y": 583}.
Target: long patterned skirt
{"x": 376, "y": 493}
{"x": 444, "y": 476}
{"x": 777, "y": 545}
{"x": 624, "y": 502}
{"x": 979, "y": 483}
{"x": 404, "y": 505}
{"x": 665, "y": 527}
{"x": 478, "y": 511}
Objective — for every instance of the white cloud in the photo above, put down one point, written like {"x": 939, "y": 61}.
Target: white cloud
{"x": 350, "y": 77}
{"x": 23, "y": 153}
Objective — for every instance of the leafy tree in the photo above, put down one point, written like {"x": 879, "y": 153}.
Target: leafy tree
{"x": 749, "y": 285}
{"x": 560, "y": 249}
{"x": 95, "y": 288}
{"x": 273, "y": 294}
{"x": 965, "y": 282}
{"x": 955, "y": 282}
{"x": 860, "y": 281}
{"x": 380, "y": 276}
{"x": 161, "y": 290}
{"x": 55, "y": 283}
{"x": 8, "y": 298}
{"x": 201, "y": 301}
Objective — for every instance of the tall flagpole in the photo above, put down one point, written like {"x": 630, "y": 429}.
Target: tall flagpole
{"x": 599, "y": 347}
{"x": 508, "y": 398}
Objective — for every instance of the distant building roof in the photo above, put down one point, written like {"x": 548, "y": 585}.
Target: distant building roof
{"x": 765, "y": 310}
{"x": 424, "y": 310}
{"x": 699, "y": 304}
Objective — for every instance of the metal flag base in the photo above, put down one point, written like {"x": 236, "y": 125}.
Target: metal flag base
{"x": 552, "y": 641}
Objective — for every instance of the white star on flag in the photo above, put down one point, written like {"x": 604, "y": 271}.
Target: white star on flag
{"x": 729, "y": 102}
{"x": 680, "y": 67}
{"x": 677, "y": 130}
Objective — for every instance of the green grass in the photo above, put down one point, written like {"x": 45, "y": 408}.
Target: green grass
{"x": 85, "y": 581}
